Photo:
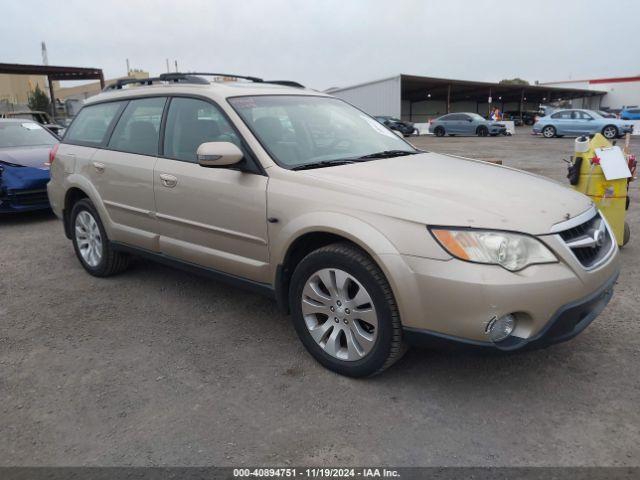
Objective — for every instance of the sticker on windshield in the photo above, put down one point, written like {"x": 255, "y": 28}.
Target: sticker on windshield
{"x": 379, "y": 128}
{"x": 32, "y": 126}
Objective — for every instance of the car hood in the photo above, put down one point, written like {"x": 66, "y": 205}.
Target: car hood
{"x": 446, "y": 190}
{"x": 34, "y": 157}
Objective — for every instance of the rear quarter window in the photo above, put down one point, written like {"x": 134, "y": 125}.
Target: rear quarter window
{"x": 92, "y": 123}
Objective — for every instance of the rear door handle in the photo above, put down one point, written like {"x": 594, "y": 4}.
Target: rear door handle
{"x": 168, "y": 181}
{"x": 98, "y": 166}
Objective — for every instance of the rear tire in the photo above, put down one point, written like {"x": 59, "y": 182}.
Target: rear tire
{"x": 344, "y": 311}
{"x": 439, "y": 132}
{"x": 91, "y": 244}
{"x": 549, "y": 131}
{"x": 627, "y": 234}
{"x": 610, "y": 132}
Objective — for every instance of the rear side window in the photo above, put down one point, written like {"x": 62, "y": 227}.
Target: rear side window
{"x": 565, "y": 115}
{"x": 92, "y": 123}
{"x": 191, "y": 122}
{"x": 138, "y": 129}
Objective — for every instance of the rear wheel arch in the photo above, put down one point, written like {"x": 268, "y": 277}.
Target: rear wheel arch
{"x": 73, "y": 196}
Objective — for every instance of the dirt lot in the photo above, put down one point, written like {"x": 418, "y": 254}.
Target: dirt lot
{"x": 159, "y": 367}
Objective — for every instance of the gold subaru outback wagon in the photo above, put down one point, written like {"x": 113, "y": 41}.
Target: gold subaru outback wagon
{"x": 370, "y": 244}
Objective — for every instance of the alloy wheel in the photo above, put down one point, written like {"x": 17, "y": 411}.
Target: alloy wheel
{"x": 88, "y": 238}
{"x": 339, "y": 314}
{"x": 548, "y": 132}
{"x": 610, "y": 132}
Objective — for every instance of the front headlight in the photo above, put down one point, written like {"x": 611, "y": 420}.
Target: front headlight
{"x": 510, "y": 250}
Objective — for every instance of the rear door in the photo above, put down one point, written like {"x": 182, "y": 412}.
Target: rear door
{"x": 123, "y": 172}
{"x": 211, "y": 217}
{"x": 562, "y": 121}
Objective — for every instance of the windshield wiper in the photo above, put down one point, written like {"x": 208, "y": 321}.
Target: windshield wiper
{"x": 388, "y": 154}
{"x": 322, "y": 163}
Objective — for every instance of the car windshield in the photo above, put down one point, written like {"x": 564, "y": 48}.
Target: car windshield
{"x": 300, "y": 130}
{"x": 24, "y": 134}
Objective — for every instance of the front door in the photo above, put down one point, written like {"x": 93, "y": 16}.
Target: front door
{"x": 212, "y": 217}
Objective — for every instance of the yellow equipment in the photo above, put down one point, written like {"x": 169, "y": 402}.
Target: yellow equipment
{"x": 610, "y": 196}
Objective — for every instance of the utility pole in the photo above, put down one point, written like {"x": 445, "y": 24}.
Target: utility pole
{"x": 176, "y": 62}
{"x": 128, "y": 68}
{"x": 45, "y": 57}
{"x": 168, "y": 70}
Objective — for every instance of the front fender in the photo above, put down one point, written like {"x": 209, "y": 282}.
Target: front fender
{"x": 372, "y": 241}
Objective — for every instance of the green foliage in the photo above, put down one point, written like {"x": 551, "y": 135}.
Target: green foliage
{"x": 38, "y": 100}
{"x": 514, "y": 81}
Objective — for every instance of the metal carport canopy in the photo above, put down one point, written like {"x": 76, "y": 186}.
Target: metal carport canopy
{"x": 54, "y": 73}
{"x": 416, "y": 88}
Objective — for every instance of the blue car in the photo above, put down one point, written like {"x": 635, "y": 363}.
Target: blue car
{"x": 630, "y": 114}
{"x": 465, "y": 124}
{"x": 576, "y": 122}
{"x": 24, "y": 170}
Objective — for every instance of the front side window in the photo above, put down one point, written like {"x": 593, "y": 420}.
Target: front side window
{"x": 92, "y": 122}
{"x": 300, "y": 130}
{"x": 24, "y": 134}
{"x": 138, "y": 129}
{"x": 192, "y": 122}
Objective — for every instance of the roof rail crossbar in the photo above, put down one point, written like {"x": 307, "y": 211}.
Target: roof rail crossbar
{"x": 285, "y": 83}
{"x": 194, "y": 77}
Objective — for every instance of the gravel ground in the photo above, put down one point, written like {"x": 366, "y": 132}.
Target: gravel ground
{"x": 160, "y": 367}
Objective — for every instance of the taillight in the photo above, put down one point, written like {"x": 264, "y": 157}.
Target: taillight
{"x": 52, "y": 154}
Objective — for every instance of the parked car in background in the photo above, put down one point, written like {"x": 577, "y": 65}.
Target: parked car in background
{"x": 577, "y": 122}
{"x": 406, "y": 128}
{"x": 466, "y": 124}
{"x": 25, "y": 147}
{"x": 630, "y": 114}
{"x": 528, "y": 117}
{"x": 42, "y": 118}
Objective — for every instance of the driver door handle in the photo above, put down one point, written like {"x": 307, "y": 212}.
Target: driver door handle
{"x": 168, "y": 181}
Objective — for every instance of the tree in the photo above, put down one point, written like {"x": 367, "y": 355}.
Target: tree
{"x": 513, "y": 81}
{"x": 38, "y": 100}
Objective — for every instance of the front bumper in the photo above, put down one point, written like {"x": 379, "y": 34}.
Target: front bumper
{"x": 566, "y": 323}
{"x": 24, "y": 201}
{"x": 456, "y": 300}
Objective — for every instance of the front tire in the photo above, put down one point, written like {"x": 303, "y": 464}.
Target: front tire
{"x": 549, "y": 131}
{"x": 610, "y": 132}
{"x": 482, "y": 131}
{"x": 91, "y": 243}
{"x": 344, "y": 311}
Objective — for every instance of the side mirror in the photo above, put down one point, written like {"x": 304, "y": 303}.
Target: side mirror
{"x": 218, "y": 154}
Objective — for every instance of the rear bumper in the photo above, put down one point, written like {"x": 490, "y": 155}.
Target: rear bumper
{"x": 566, "y": 323}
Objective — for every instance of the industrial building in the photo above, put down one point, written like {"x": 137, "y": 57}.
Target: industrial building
{"x": 418, "y": 99}
{"x": 621, "y": 92}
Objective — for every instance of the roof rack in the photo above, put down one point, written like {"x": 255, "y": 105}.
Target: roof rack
{"x": 195, "y": 78}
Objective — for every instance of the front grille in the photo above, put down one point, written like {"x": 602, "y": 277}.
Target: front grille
{"x": 28, "y": 197}
{"x": 590, "y": 241}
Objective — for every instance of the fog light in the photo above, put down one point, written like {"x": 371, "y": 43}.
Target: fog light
{"x": 500, "y": 328}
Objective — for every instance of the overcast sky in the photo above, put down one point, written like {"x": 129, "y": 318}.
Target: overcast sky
{"x": 325, "y": 43}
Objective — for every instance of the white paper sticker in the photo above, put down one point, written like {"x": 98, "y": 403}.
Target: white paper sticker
{"x": 613, "y": 164}
{"x": 32, "y": 126}
{"x": 378, "y": 127}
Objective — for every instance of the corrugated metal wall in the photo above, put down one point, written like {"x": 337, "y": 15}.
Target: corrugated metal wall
{"x": 381, "y": 97}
